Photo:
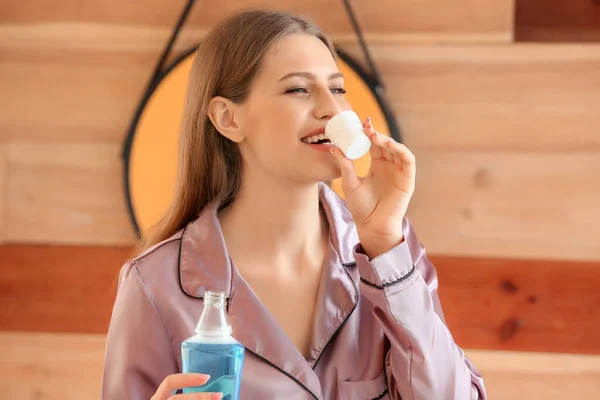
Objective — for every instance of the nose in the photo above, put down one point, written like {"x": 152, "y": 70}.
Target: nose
{"x": 327, "y": 105}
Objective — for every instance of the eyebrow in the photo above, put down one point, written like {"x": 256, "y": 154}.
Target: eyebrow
{"x": 311, "y": 76}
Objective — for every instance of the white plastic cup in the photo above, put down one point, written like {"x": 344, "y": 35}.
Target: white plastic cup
{"x": 345, "y": 130}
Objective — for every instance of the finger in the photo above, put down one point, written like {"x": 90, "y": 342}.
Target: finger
{"x": 197, "y": 396}
{"x": 178, "y": 381}
{"x": 381, "y": 142}
{"x": 380, "y": 149}
{"x": 375, "y": 151}
{"x": 403, "y": 157}
{"x": 387, "y": 154}
{"x": 350, "y": 179}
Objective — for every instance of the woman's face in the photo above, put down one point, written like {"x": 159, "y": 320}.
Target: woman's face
{"x": 298, "y": 90}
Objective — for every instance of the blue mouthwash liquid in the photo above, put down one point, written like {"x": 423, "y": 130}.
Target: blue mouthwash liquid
{"x": 213, "y": 351}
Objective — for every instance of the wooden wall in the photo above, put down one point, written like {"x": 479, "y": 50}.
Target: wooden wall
{"x": 499, "y": 99}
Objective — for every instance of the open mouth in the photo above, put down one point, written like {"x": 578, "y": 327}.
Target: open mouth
{"x": 316, "y": 140}
{"x": 323, "y": 141}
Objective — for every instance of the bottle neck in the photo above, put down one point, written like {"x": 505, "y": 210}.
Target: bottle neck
{"x": 213, "y": 321}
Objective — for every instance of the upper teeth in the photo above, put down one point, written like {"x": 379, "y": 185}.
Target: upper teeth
{"x": 315, "y": 138}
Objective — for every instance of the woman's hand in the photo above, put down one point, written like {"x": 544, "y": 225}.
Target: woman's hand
{"x": 179, "y": 381}
{"x": 378, "y": 202}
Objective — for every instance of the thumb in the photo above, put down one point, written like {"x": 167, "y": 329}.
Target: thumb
{"x": 350, "y": 179}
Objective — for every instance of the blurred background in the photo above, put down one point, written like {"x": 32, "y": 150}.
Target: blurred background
{"x": 498, "y": 99}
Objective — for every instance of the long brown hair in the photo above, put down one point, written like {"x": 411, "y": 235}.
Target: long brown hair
{"x": 226, "y": 61}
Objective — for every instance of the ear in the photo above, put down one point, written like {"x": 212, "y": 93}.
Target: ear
{"x": 222, "y": 114}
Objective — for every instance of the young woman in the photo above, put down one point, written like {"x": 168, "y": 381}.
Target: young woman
{"x": 332, "y": 299}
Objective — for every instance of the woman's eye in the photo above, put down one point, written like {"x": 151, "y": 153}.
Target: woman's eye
{"x": 297, "y": 90}
{"x": 335, "y": 90}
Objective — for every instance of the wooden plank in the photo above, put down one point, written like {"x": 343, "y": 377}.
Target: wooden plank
{"x": 497, "y": 98}
{"x": 66, "y": 193}
{"x": 511, "y": 98}
{"x": 59, "y": 288}
{"x": 517, "y": 375}
{"x": 428, "y": 20}
{"x": 526, "y": 305}
{"x": 466, "y": 203}
{"x": 557, "y": 21}
{"x": 523, "y": 305}
{"x": 29, "y": 370}
{"x": 3, "y": 191}
{"x": 508, "y": 205}
{"x": 51, "y": 367}
{"x": 81, "y": 95}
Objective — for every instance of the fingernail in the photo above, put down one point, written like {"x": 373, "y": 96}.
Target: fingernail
{"x": 369, "y": 120}
{"x": 204, "y": 377}
{"x": 331, "y": 151}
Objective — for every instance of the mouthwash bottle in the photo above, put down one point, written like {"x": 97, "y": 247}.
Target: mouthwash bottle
{"x": 213, "y": 351}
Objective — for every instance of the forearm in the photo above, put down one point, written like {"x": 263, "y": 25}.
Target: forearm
{"x": 423, "y": 362}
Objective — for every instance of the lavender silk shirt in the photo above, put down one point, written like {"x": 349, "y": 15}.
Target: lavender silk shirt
{"x": 379, "y": 331}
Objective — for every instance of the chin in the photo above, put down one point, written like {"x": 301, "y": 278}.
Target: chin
{"x": 329, "y": 174}
{"x": 314, "y": 172}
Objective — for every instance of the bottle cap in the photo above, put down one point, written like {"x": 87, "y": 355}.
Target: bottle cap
{"x": 345, "y": 130}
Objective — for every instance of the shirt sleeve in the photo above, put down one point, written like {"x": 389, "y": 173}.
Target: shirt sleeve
{"x": 423, "y": 362}
{"x": 138, "y": 350}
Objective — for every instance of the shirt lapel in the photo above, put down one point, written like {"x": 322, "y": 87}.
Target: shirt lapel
{"x": 205, "y": 265}
{"x": 338, "y": 294}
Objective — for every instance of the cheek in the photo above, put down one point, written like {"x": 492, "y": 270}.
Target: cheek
{"x": 278, "y": 123}
{"x": 269, "y": 141}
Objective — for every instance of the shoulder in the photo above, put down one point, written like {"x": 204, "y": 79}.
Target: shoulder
{"x": 155, "y": 263}
{"x": 159, "y": 248}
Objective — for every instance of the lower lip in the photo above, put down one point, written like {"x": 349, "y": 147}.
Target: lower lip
{"x": 320, "y": 147}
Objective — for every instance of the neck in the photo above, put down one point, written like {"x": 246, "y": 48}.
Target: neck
{"x": 272, "y": 223}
